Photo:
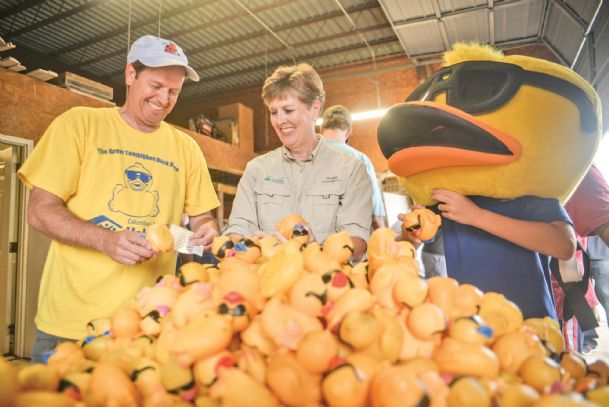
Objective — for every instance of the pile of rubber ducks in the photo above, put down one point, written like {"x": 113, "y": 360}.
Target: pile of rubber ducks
{"x": 288, "y": 322}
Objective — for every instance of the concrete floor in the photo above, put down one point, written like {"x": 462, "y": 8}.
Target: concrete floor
{"x": 602, "y": 348}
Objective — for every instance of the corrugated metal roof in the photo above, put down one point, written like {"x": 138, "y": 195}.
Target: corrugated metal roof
{"x": 235, "y": 43}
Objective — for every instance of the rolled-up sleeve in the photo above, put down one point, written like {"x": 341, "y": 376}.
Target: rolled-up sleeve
{"x": 354, "y": 212}
{"x": 244, "y": 215}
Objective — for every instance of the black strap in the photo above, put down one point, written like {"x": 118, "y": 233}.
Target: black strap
{"x": 575, "y": 303}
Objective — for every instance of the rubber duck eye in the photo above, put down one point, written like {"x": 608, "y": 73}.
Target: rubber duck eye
{"x": 413, "y": 228}
{"x": 137, "y": 372}
{"x": 239, "y": 310}
{"x": 300, "y": 232}
{"x": 66, "y": 384}
{"x": 154, "y": 315}
{"x": 223, "y": 309}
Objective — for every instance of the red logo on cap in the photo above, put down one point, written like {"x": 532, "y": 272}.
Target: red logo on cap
{"x": 171, "y": 48}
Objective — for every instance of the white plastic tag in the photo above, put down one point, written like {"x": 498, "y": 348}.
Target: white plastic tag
{"x": 570, "y": 271}
{"x": 180, "y": 241}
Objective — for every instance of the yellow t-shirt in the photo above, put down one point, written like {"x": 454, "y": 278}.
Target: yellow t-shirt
{"x": 118, "y": 178}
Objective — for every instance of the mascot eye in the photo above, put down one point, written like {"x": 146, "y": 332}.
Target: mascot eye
{"x": 326, "y": 278}
{"x": 478, "y": 86}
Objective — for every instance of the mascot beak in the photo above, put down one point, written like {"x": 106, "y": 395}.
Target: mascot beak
{"x": 420, "y": 135}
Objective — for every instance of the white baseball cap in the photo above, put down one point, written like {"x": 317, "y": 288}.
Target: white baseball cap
{"x": 157, "y": 52}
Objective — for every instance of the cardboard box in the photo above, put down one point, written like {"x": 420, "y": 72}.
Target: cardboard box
{"x": 87, "y": 86}
{"x": 230, "y": 129}
{"x": 244, "y": 119}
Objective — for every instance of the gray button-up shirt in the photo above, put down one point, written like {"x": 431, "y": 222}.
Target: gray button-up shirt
{"x": 330, "y": 189}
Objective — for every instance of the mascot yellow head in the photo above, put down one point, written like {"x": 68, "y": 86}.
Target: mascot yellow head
{"x": 493, "y": 125}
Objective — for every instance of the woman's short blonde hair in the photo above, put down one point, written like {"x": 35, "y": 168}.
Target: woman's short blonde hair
{"x": 300, "y": 79}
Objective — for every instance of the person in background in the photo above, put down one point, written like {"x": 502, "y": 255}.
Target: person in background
{"x": 330, "y": 189}
{"x": 336, "y": 129}
{"x": 99, "y": 178}
{"x": 598, "y": 250}
{"x": 588, "y": 208}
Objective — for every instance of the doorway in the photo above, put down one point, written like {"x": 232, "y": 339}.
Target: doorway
{"x": 22, "y": 253}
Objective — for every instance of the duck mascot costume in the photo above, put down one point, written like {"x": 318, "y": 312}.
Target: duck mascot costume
{"x": 514, "y": 134}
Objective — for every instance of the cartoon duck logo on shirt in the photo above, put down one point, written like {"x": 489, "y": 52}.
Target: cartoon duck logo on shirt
{"x": 134, "y": 197}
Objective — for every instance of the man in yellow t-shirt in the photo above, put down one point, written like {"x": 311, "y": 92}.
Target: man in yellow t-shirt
{"x": 99, "y": 178}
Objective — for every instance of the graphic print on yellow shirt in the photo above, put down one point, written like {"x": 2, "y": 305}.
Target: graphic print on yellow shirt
{"x": 137, "y": 186}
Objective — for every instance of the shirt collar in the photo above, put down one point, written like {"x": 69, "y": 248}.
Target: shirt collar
{"x": 287, "y": 154}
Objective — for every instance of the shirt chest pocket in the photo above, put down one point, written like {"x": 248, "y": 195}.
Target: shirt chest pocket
{"x": 325, "y": 201}
{"x": 272, "y": 203}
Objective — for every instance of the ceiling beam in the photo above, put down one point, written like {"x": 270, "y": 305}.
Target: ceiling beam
{"x": 226, "y": 62}
{"x": 541, "y": 32}
{"x": 491, "y": 23}
{"x": 556, "y": 52}
{"x": 587, "y": 32}
{"x": 263, "y": 24}
{"x": 451, "y": 14}
{"x": 571, "y": 13}
{"x": 18, "y": 8}
{"x": 441, "y": 26}
{"x": 295, "y": 46}
{"x": 264, "y": 67}
{"x": 134, "y": 26}
{"x": 601, "y": 74}
{"x": 57, "y": 17}
{"x": 190, "y": 30}
{"x": 515, "y": 42}
{"x": 261, "y": 33}
{"x": 388, "y": 16}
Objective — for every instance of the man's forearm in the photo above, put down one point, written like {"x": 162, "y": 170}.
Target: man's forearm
{"x": 197, "y": 221}
{"x": 555, "y": 239}
{"x": 49, "y": 215}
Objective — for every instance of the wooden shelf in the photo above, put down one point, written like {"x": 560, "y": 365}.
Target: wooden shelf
{"x": 223, "y": 189}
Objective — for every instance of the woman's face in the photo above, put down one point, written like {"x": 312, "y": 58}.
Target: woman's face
{"x": 293, "y": 121}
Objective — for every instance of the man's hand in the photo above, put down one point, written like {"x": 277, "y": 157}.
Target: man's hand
{"x": 204, "y": 236}
{"x": 126, "y": 247}
{"x": 455, "y": 206}
{"x": 205, "y": 229}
